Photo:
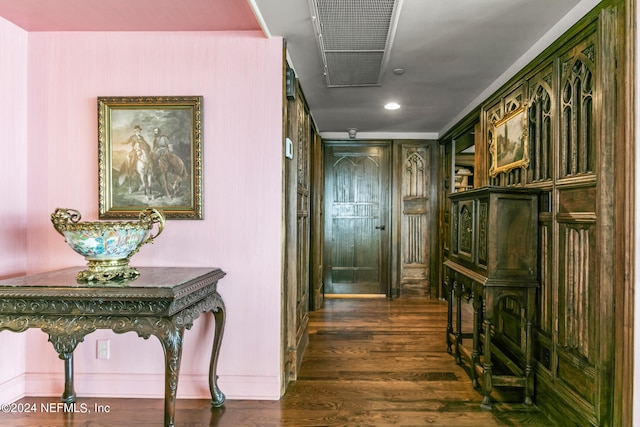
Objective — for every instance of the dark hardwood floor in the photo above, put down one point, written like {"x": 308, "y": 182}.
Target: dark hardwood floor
{"x": 370, "y": 362}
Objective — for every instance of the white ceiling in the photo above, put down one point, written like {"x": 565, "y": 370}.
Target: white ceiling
{"x": 454, "y": 53}
{"x": 451, "y": 51}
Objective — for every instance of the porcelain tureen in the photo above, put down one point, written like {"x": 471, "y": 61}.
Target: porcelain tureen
{"x": 107, "y": 245}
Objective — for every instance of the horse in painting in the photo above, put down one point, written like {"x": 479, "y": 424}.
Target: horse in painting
{"x": 138, "y": 163}
{"x": 170, "y": 171}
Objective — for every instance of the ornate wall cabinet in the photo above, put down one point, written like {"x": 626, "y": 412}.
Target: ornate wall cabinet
{"x": 493, "y": 256}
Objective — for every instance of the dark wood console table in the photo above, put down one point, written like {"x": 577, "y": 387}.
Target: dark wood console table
{"x": 163, "y": 301}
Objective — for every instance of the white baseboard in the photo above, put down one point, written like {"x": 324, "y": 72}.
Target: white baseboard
{"x": 13, "y": 389}
{"x": 128, "y": 385}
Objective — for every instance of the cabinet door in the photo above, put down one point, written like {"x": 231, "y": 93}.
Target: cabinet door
{"x": 466, "y": 230}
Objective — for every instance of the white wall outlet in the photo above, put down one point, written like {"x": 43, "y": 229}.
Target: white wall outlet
{"x": 102, "y": 349}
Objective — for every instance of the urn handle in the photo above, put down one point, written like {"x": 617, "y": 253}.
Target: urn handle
{"x": 152, "y": 216}
{"x": 63, "y": 216}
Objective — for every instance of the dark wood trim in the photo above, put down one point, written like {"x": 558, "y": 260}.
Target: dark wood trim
{"x": 625, "y": 226}
{"x": 608, "y": 72}
{"x": 462, "y": 127}
{"x": 287, "y": 320}
{"x": 316, "y": 267}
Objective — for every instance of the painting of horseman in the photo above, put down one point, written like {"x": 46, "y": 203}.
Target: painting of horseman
{"x": 151, "y": 154}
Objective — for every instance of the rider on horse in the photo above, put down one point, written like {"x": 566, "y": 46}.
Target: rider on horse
{"x": 161, "y": 144}
{"x": 136, "y": 139}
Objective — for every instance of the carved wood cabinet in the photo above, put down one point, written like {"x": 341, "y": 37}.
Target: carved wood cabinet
{"x": 493, "y": 257}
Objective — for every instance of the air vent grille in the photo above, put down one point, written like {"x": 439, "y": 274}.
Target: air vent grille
{"x": 355, "y": 37}
{"x": 353, "y": 68}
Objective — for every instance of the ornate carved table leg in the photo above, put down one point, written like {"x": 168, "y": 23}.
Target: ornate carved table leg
{"x": 217, "y": 397}
{"x": 65, "y": 343}
{"x": 171, "y": 340}
{"x": 69, "y": 395}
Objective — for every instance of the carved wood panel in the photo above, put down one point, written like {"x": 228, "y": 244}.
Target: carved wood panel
{"x": 483, "y": 211}
{"x": 546, "y": 311}
{"x": 415, "y": 217}
{"x": 576, "y": 288}
{"x": 542, "y": 122}
{"x": 303, "y": 220}
{"x": 577, "y": 255}
{"x": 577, "y": 296}
{"x": 446, "y": 166}
{"x": 316, "y": 294}
{"x": 540, "y": 118}
{"x": 296, "y": 177}
{"x": 466, "y": 230}
{"x": 577, "y": 127}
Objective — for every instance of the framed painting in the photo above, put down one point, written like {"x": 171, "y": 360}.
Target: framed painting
{"x": 509, "y": 143}
{"x": 150, "y": 155}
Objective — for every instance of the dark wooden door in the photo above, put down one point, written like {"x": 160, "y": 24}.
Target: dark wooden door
{"x": 357, "y": 182}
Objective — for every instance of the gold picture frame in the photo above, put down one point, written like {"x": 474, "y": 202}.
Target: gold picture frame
{"x": 150, "y": 156}
{"x": 509, "y": 143}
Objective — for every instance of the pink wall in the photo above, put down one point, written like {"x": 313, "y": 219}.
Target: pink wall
{"x": 239, "y": 76}
{"x": 13, "y": 198}
{"x": 13, "y": 149}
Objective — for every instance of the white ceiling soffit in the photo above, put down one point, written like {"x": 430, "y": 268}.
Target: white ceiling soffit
{"x": 355, "y": 38}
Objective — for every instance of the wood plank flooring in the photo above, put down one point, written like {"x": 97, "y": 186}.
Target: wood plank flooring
{"x": 370, "y": 362}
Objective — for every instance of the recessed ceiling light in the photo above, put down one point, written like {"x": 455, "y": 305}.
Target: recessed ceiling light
{"x": 398, "y": 71}
{"x": 392, "y": 106}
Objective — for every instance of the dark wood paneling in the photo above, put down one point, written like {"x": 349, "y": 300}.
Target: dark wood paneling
{"x": 317, "y": 224}
{"x": 577, "y": 96}
{"x": 580, "y": 200}
{"x": 578, "y": 375}
{"x": 297, "y": 226}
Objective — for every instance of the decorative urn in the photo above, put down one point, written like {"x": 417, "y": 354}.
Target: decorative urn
{"x": 107, "y": 246}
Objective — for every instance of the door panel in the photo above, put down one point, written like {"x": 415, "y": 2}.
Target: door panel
{"x": 356, "y": 216}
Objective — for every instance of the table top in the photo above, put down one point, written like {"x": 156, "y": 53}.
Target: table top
{"x": 159, "y": 282}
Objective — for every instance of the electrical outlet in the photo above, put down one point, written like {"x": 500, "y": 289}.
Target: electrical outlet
{"x": 102, "y": 350}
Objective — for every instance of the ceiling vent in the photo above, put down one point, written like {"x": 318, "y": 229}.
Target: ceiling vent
{"x": 355, "y": 38}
